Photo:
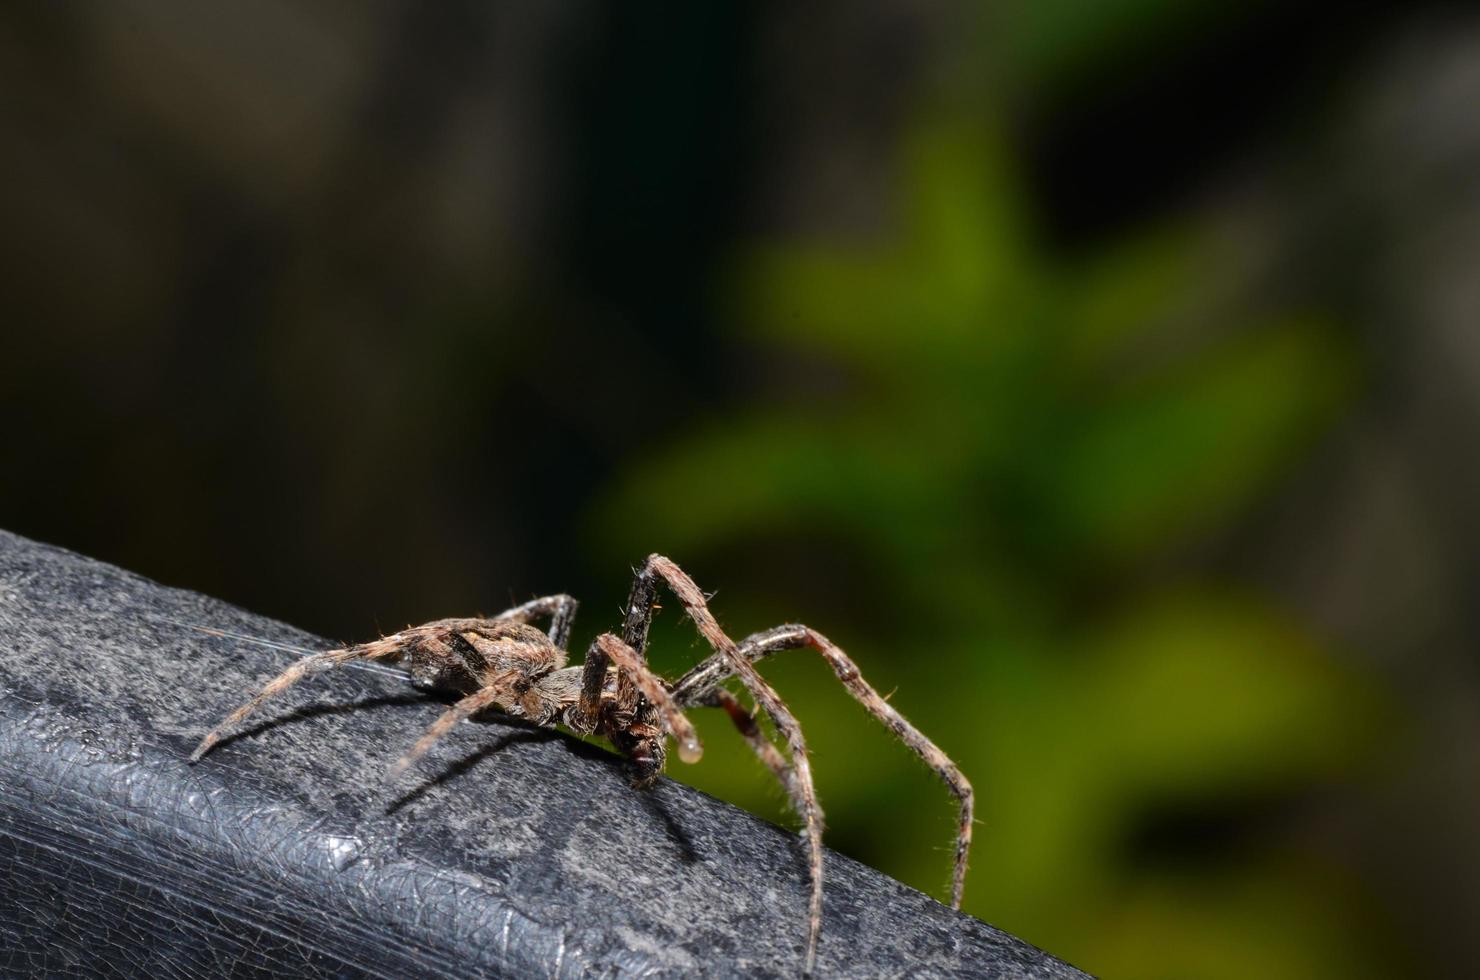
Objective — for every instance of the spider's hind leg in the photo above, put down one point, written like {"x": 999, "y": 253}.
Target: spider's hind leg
{"x": 560, "y": 608}
{"x": 467, "y": 707}
{"x": 388, "y": 648}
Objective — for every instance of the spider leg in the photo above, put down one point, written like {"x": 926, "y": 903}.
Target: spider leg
{"x": 641, "y": 602}
{"x": 660, "y": 570}
{"x": 647, "y": 754}
{"x": 385, "y": 649}
{"x": 634, "y": 633}
{"x": 700, "y": 684}
{"x": 560, "y": 608}
{"x": 494, "y": 693}
{"x": 796, "y": 780}
{"x": 745, "y": 724}
{"x": 652, "y": 688}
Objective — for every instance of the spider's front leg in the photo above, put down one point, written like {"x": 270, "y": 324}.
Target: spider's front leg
{"x": 656, "y": 571}
{"x": 654, "y": 693}
{"x": 701, "y": 686}
{"x": 641, "y": 741}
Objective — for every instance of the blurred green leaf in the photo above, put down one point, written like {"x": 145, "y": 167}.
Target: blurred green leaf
{"x": 960, "y": 247}
{"x": 1126, "y": 297}
{"x": 1181, "y": 452}
{"x": 1002, "y": 437}
{"x": 1198, "y": 691}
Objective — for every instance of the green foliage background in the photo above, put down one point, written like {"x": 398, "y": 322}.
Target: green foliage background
{"x": 1008, "y": 454}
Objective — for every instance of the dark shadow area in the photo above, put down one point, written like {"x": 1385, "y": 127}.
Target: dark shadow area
{"x": 1162, "y": 130}
{"x": 316, "y": 710}
{"x": 671, "y": 822}
{"x": 467, "y": 763}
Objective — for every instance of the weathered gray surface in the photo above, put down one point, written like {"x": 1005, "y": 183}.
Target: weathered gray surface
{"x": 519, "y": 853}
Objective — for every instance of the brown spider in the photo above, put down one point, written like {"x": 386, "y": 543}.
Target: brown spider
{"x": 506, "y": 662}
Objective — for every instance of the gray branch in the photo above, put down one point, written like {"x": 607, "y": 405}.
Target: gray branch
{"x": 512, "y": 853}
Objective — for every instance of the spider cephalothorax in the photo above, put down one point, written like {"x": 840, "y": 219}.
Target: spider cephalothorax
{"x": 504, "y": 662}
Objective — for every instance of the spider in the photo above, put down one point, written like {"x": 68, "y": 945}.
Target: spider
{"x": 506, "y": 662}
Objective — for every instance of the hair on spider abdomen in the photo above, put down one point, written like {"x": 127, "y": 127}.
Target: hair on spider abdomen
{"x": 508, "y": 663}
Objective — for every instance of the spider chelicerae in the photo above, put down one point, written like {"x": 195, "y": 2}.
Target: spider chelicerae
{"x": 507, "y": 663}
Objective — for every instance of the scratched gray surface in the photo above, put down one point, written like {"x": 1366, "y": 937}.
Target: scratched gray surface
{"x": 515, "y": 853}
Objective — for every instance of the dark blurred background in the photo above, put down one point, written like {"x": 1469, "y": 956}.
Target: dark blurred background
{"x": 1100, "y": 374}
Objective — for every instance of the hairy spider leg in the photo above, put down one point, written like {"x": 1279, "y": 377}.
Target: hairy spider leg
{"x": 506, "y": 670}
{"x": 801, "y": 788}
{"x": 700, "y": 684}
{"x": 537, "y": 684}
{"x": 560, "y": 608}
{"x": 647, "y": 753}
{"x": 635, "y": 635}
{"x": 469, "y": 706}
{"x": 655, "y": 691}
{"x": 746, "y": 725}
{"x": 384, "y": 649}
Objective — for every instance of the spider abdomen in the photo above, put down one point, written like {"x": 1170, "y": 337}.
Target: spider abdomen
{"x": 515, "y": 649}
